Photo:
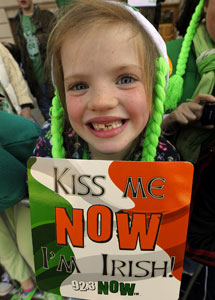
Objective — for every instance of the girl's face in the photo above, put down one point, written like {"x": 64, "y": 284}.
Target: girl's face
{"x": 210, "y": 18}
{"x": 105, "y": 94}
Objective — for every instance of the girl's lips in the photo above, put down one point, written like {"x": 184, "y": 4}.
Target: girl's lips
{"x": 107, "y": 128}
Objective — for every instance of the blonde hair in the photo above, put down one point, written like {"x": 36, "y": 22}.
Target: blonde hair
{"x": 80, "y": 17}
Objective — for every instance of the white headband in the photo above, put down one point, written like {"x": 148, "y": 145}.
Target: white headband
{"x": 149, "y": 28}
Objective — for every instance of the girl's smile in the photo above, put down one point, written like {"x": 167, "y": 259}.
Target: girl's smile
{"x": 106, "y": 127}
{"x": 105, "y": 94}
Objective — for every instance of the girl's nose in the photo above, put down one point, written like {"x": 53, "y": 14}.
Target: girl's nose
{"x": 102, "y": 99}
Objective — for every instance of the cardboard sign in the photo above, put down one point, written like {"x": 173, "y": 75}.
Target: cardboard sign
{"x": 142, "y": 3}
{"x": 109, "y": 229}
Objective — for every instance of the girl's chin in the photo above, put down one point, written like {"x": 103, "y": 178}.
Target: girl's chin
{"x": 109, "y": 153}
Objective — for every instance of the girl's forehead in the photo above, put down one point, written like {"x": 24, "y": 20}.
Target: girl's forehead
{"x": 115, "y": 33}
{"x": 110, "y": 48}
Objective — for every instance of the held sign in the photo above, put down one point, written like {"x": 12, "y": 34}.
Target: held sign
{"x": 109, "y": 229}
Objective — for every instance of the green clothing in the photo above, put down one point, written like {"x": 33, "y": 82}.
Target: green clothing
{"x": 29, "y": 30}
{"x": 11, "y": 258}
{"x": 18, "y": 137}
{"x": 61, "y": 3}
{"x": 43, "y": 21}
{"x": 205, "y": 61}
{"x": 192, "y": 76}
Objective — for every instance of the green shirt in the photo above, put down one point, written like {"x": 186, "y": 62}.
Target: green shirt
{"x": 32, "y": 47}
{"x": 191, "y": 76}
{"x": 61, "y": 3}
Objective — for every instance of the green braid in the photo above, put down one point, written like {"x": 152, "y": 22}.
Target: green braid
{"x": 153, "y": 129}
{"x": 175, "y": 87}
{"x": 57, "y": 114}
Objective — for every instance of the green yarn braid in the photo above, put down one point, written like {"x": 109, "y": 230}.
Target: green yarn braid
{"x": 175, "y": 87}
{"x": 57, "y": 114}
{"x": 153, "y": 129}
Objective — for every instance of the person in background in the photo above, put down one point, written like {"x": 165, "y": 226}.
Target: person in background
{"x": 14, "y": 99}
{"x": 31, "y": 28}
{"x": 185, "y": 15}
{"x": 14, "y": 92}
{"x": 17, "y": 139}
{"x": 191, "y": 86}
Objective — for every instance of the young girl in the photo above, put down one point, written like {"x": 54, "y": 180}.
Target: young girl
{"x": 110, "y": 70}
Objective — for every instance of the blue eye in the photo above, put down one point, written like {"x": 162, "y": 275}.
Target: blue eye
{"x": 79, "y": 86}
{"x": 126, "y": 79}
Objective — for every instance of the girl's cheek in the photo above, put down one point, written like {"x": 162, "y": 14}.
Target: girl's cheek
{"x": 74, "y": 107}
{"x": 135, "y": 107}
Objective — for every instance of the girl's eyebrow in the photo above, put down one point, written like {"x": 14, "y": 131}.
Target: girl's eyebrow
{"x": 128, "y": 67}
{"x": 73, "y": 77}
{"x": 117, "y": 69}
